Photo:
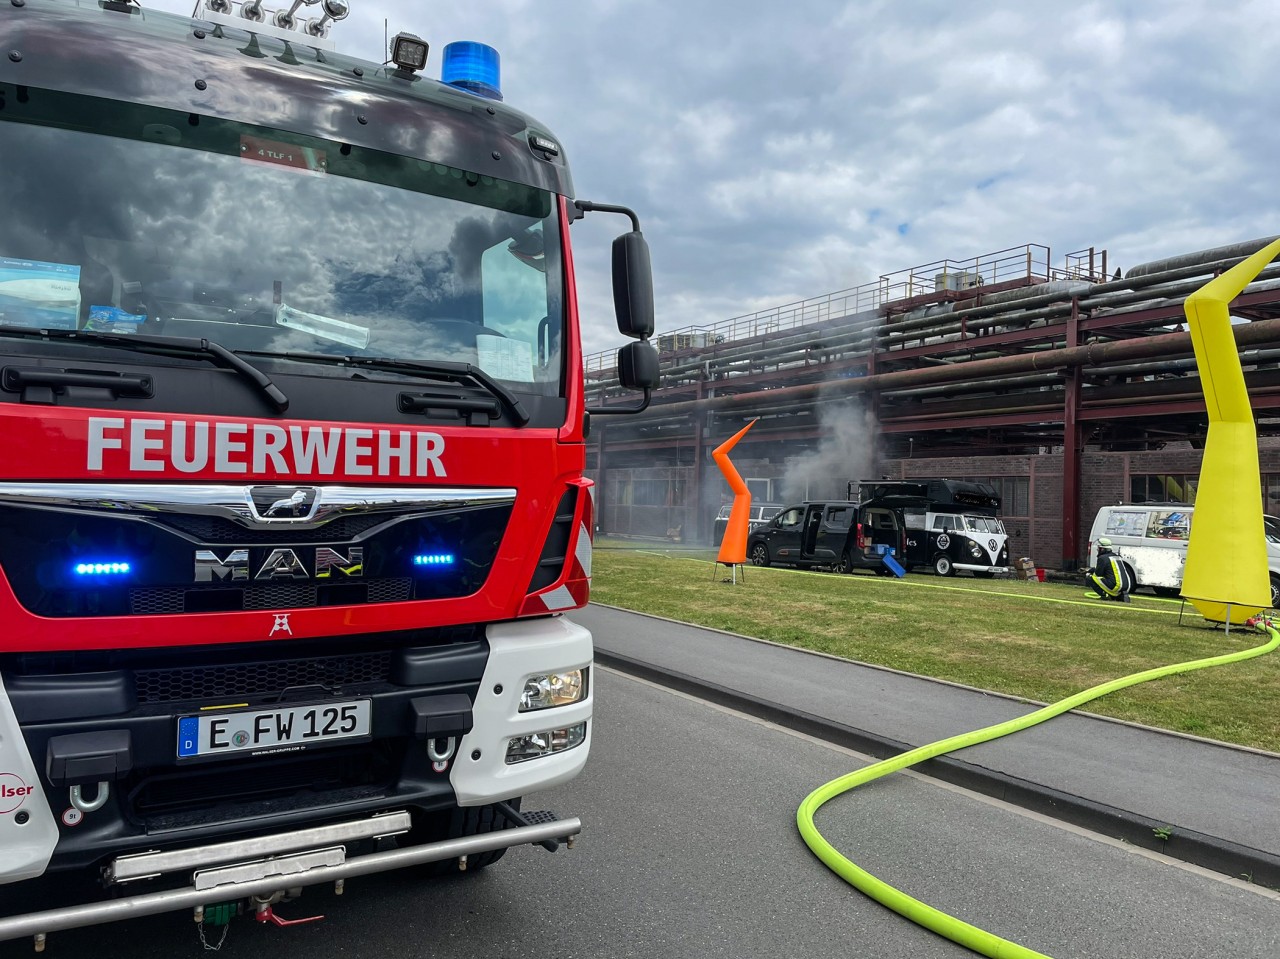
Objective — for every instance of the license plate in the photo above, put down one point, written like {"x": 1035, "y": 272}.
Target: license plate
{"x": 288, "y": 728}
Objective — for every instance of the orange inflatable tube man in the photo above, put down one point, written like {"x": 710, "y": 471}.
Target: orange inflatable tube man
{"x": 733, "y": 548}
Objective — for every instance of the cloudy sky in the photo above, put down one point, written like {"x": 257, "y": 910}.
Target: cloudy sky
{"x": 777, "y": 151}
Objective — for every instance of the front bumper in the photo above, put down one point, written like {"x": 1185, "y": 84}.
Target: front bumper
{"x": 162, "y": 803}
{"x": 270, "y": 875}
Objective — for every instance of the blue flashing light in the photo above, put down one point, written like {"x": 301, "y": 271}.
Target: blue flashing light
{"x": 102, "y": 569}
{"x": 433, "y": 559}
{"x": 474, "y": 67}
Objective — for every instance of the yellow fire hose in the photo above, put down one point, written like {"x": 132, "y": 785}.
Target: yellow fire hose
{"x": 935, "y": 920}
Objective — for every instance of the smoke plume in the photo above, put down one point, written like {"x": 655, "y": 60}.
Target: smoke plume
{"x": 846, "y": 452}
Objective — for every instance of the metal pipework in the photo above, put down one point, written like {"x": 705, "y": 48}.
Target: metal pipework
{"x": 890, "y": 333}
{"x": 1167, "y": 344}
{"x": 1144, "y": 276}
{"x": 1162, "y": 294}
{"x": 1230, "y": 251}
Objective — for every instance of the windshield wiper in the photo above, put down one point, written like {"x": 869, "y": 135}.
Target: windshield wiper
{"x": 448, "y": 371}
{"x": 162, "y": 346}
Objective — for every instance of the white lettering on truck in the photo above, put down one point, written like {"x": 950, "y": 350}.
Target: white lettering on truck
{"x": 189, "y": 447}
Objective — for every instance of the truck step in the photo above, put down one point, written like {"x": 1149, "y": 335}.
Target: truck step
{"x": 539, "y": 816}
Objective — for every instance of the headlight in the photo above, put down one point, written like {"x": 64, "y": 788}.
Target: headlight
{"x": 536, "y": 745}
{"x": 553, "y": 689}
{"x": 975, "y": 551}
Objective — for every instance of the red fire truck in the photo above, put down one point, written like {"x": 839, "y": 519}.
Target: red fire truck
{"x": 291, "y": 493}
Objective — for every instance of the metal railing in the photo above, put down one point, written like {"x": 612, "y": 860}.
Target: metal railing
{"x": 1029, "y": 262}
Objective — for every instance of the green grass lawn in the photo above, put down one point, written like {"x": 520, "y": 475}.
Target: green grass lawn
{"x": 1041, "y": 641}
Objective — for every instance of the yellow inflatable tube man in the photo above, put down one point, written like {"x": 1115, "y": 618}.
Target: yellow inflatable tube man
{"x": 1226, "y": 576}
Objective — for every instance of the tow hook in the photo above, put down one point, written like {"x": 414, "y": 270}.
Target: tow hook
{"x": 440, "y": 757}
{"x": 99, "y": 799}
{"x": 262, "y": 912}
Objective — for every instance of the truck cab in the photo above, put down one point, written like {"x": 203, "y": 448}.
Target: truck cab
{"x": 841, "y": 535}
{"x": 293, "y": 497}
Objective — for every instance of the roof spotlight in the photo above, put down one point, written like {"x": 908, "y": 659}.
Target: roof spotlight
{"x": 334, "y": 10}
{"x": 285, "y": 18}
{"x": 252, "y": 10}
{"x": 409, "y": 52}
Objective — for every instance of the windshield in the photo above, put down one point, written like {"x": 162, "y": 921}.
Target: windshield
{"x": 1271, "y": 528}
{"x": 984, "y": 524}
{"x": 129, "y": 219}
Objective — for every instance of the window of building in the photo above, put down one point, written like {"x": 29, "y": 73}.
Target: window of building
{"x": 629, "y": 490}
{"x": 1163, "y": 487}
{"x": 1014, "y": 493}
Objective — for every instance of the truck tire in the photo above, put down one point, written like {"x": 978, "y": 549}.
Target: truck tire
{"x": 942, "y": 565}
{"x": 844, "y": 564}
{"x": 458, "y": 823}
{"x": 1275, "y": 592}
{"x": 760, "y": 555}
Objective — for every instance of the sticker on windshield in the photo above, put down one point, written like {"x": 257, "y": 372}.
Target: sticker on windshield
{"x": 112, "y": 319}
{"x": 289, "y": 155}
{"x": 38, "y": 294}
{"x": 504, "y": 358}
{"x": 323, "y": 326}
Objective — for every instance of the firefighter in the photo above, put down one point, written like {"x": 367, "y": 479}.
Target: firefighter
{"x": 1110, "y": 576}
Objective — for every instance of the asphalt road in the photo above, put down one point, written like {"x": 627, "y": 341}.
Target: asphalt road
{"x": 690, "y": 850}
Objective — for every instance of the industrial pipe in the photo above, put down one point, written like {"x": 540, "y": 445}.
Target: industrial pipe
{"x": 1165, "y": 344}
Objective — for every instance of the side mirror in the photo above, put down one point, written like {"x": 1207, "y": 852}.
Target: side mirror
{"x": 633, "y": 285}
{"x": 633, "y": 305}
{"x": 638, "y": 366}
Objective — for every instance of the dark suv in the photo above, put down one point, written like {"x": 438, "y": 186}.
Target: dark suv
{"x": 839, "y": 534}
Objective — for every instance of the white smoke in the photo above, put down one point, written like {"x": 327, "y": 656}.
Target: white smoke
{"x": 846, "y": 452}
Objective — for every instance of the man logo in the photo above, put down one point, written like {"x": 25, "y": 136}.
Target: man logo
{"x": 283, "y": 502}
{"x": 279, "y": 564}
{"x": 294, "y": 505}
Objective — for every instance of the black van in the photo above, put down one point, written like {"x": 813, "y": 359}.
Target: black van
{"x": 840, "y": 534}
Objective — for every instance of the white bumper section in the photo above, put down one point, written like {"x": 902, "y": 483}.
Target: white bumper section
{"x": 518, "y": 650}
{"x": 28, "y": 832}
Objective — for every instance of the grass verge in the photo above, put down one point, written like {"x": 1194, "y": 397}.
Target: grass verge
{"x": 1040, "y": 641}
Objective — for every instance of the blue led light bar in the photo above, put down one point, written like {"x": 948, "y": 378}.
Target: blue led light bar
{"x": 474, "y": 67}
{"x": 433, "y": 559}
{"x": 102, "y": 569}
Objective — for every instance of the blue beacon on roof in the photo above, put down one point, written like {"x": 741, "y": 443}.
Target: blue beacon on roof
{"x": 474, "y": 67}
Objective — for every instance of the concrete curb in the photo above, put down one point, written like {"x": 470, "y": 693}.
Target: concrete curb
{"x": 1210, "y": 852}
